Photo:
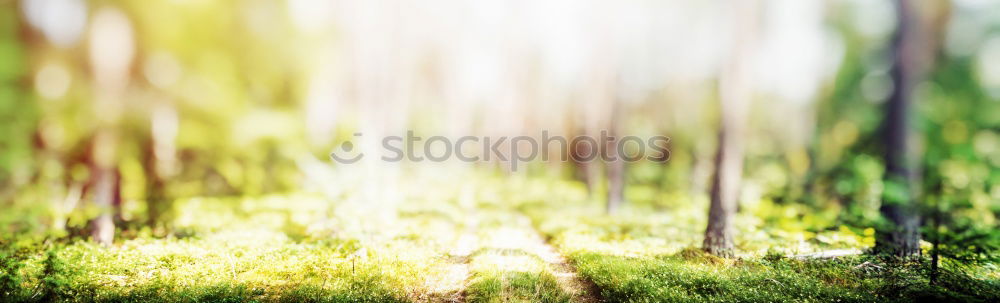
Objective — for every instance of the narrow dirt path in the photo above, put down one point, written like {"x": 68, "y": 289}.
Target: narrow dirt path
{"x": 502, "y": 243}
{"x": 581, "y": 289}
{"x": 450, "y": 284}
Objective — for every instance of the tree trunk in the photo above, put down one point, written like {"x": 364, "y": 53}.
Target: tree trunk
{"x": 724, "y": 195}
{"x": 734, "y": 94}
{"x": 586, "y": 170}
{"x": 102, "y": 229}
{"x": 105, "y": 189}
{"x": 160, "y": 160}
{"x": 111, "y": 52}
{"x": 935, "y": 250}
{"x": 155, "y": 184}
{"x": 901, "y": 237}
{"x": 615, "y": 164}
{"x": 616, "y": 185}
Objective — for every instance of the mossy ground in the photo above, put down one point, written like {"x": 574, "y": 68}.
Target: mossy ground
{"x": 482, "y": 240}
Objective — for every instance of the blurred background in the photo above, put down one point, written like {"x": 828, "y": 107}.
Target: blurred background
{"x": 137, "y": 104}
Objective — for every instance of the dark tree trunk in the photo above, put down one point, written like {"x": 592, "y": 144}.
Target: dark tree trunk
{"x": 901, "y": 237}
{"x": 935, "y": 250}
{"x": 734, "y": 95}
{"x": 155, "y": 185}
{"x": 724, "y": 193}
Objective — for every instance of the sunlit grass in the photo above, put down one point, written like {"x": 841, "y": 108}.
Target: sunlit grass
{"x": 642, "y": 230}
{"x": 690, "y": 277}
{"x": 276, "y": 248}
{"x": 512, "y": 264}
{"x": 479, "y": 239}
{"x": 648, "y": 255}
{"x": 279, "y": 268}
{"x": 495, "y": 286}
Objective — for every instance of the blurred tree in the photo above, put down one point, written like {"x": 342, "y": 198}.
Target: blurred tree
{"x": 735, "y": 94}
{"x": 900, "y": 236}
{"x": 111, "y": 51}
{"x": 615, "y": 162}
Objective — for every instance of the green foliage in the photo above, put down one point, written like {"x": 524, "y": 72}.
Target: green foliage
{"x": 959, "y": 183}
{"x": 17, "y": 115}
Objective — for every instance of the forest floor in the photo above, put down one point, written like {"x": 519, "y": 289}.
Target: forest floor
{"x": 485, "y": 239}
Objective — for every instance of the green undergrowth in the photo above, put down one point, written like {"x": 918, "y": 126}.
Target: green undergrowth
{"x": 684, "y": 278}
{"x": 496, "y": 286}
{"x": 203, "y": 271}
{"x": 294, "y": 248}
{"x": 646, "y": 254}
{"x": 309, "y": 248}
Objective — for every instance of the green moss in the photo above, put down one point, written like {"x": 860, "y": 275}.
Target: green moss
{"x": 512, "y": 286}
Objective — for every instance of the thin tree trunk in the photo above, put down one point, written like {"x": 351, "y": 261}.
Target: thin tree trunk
{"x": 155, "y": 184}
{"x": 615, "y": 161}
{"x": 104, "y": 187}
{"x": 735, "y": 93}
{"x": 902, "y": 236}
{"x": 935, "y": 251}
{"x": 160, "y": 159}
{"x": 586, "y": 170}
{"x": 111, "y": 52}
{"x": 724, "y": 195}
